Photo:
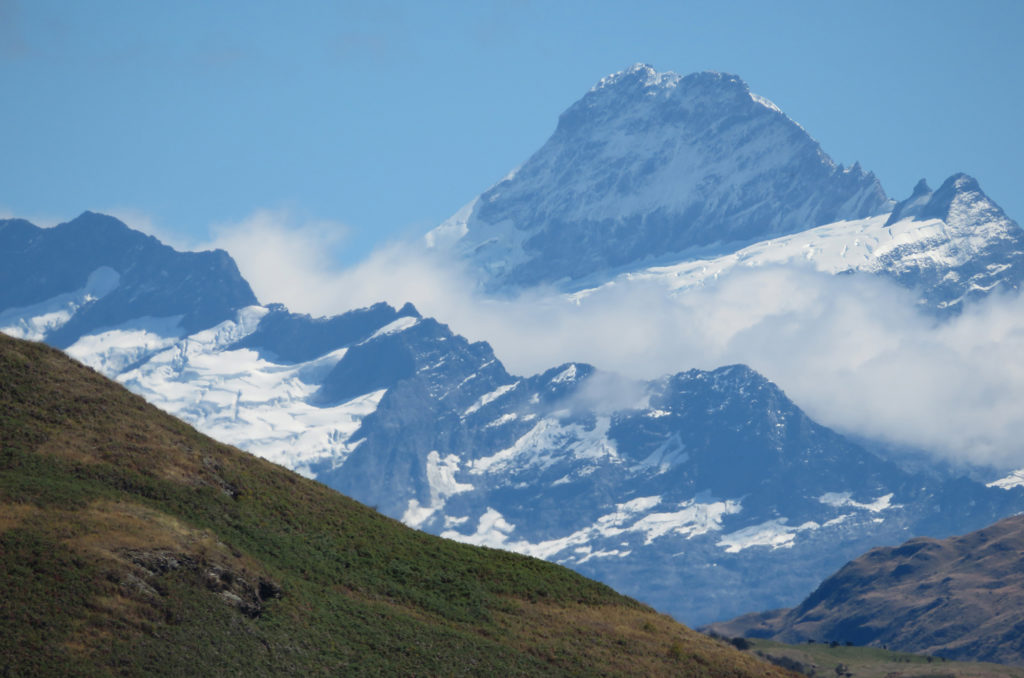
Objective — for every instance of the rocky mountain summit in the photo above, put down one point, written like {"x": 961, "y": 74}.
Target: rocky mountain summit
{"x": 649, "y": 165}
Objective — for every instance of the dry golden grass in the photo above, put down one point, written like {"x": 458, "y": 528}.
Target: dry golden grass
{"x": 15, "y": 514}
{"x": 633, "y": 641}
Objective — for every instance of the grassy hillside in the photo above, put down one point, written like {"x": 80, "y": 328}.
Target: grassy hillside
{"x": 130, "y": 544}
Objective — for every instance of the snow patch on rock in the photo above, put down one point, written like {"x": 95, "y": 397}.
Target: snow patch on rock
{"x": 489, "y": 398}
{"x": 1015, "y": 479}
{"x": 36, "y": 321}
{"x": 547, "y": 443}
{"x": 774, "y": 534}
{"x": 841, "y": 499}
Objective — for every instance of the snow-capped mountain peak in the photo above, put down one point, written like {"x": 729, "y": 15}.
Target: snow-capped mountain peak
{"x": 650, "y": 164}
{"x": 641, "y": 72}
{"x": 703, "y": 87}
{"x": 974, "y": 248}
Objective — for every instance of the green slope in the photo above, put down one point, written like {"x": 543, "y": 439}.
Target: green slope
{"x": 130, "y": 544}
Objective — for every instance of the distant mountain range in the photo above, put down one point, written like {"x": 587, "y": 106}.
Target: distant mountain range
{"x": 704, "y": 493}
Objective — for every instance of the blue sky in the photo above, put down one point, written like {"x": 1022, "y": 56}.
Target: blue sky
{"x": 381, "y": 118}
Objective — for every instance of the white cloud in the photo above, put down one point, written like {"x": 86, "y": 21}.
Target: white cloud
{"x": 284, "y": 260}
{"x": 853, "y": 351}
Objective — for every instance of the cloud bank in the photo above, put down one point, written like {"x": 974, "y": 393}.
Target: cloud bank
{"x": 853, "y": 351}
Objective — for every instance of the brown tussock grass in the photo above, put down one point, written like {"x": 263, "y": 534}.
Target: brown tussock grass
{"x": 111, "y": 530}
{"x": 15, "y": 515}
{"x": 636, "y": 641}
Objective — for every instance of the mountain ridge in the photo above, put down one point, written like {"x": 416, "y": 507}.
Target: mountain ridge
{"x": 950, "y": 247}
{"x": 91, "y": 242}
